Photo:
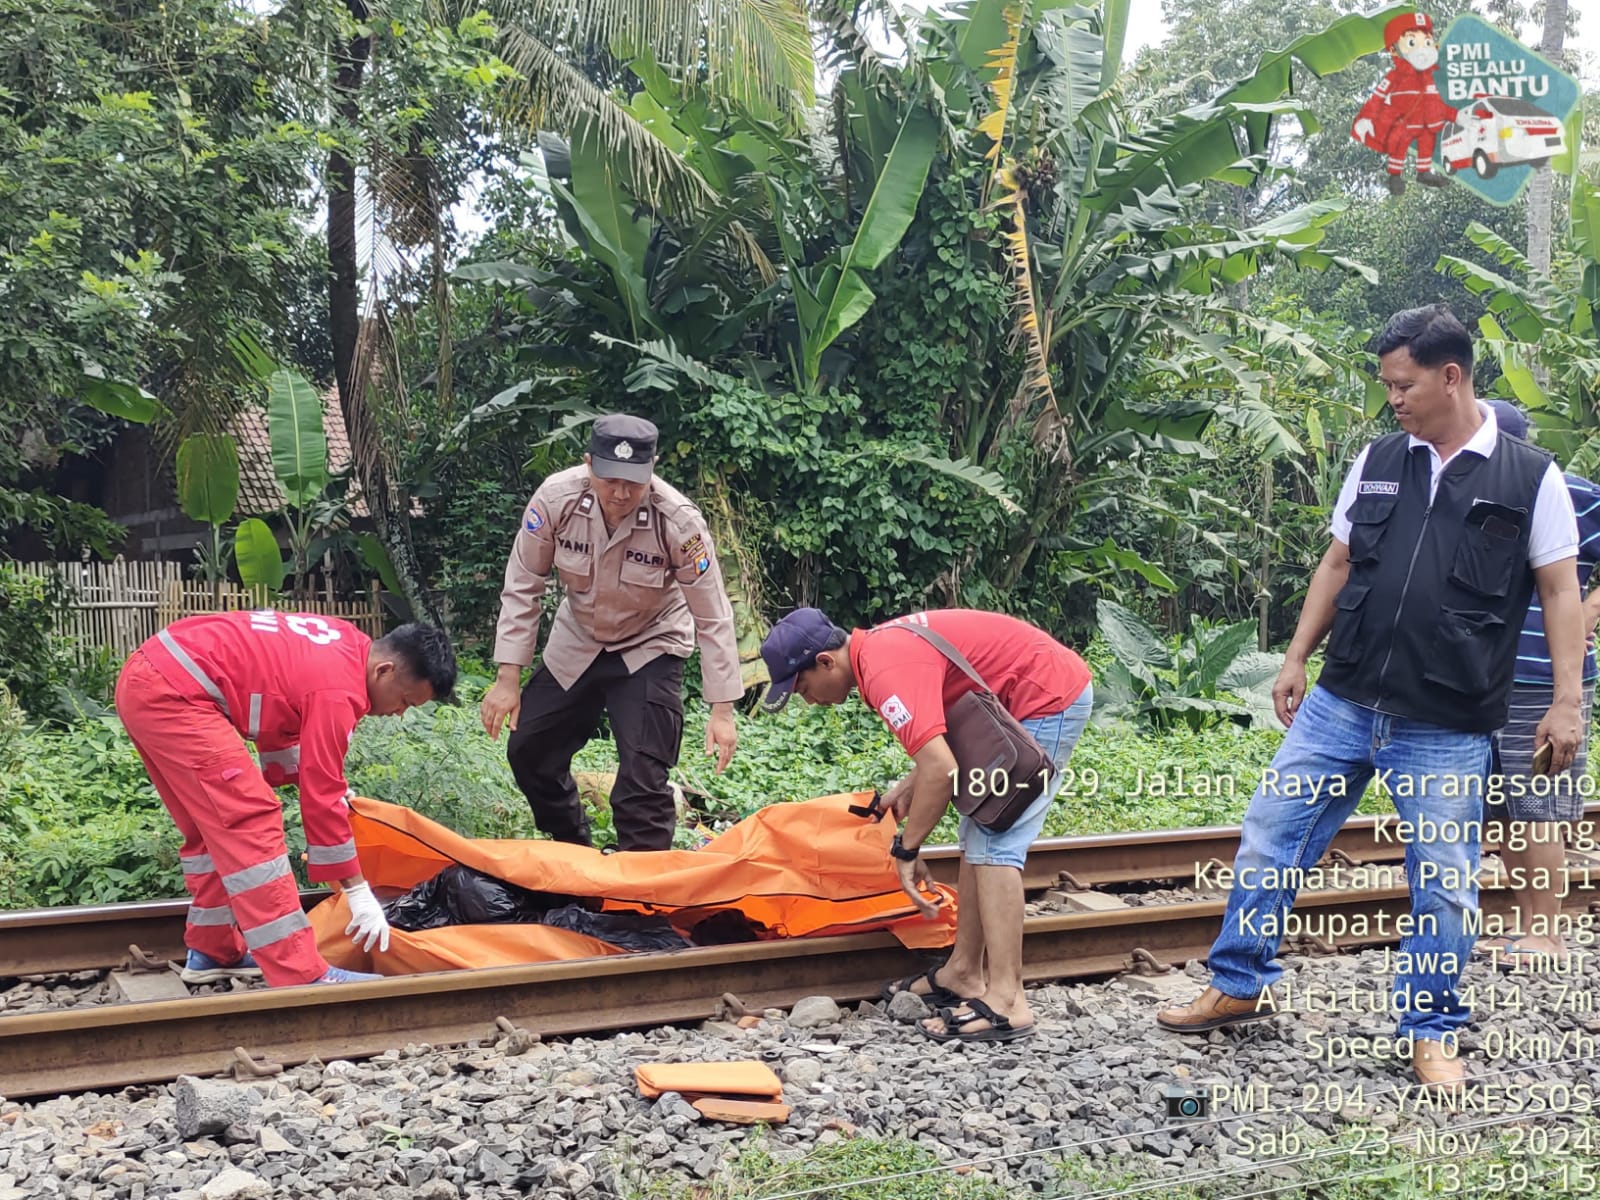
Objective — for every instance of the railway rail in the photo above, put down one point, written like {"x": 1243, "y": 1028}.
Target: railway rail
{"x": 111, "y": 1046}
{"x": 57, "y": 941}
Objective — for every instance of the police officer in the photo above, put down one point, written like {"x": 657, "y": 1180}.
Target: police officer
{"x": 642, "y": 588}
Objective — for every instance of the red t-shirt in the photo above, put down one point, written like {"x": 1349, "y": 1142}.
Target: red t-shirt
{"x": 908, "y": 682}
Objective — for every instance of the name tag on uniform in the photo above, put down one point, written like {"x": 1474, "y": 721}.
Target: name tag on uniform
{"x": 1378, "y": 487}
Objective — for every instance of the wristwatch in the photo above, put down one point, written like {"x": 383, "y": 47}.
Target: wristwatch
{"x": 899, "y": 850}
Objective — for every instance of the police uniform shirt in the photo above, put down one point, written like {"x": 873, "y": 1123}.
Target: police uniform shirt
{"x": 651, "y": 587}
{"x": 1553, "y": 534}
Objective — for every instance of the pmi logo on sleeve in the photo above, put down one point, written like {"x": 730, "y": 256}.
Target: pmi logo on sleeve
{"x": 895, "y": 712}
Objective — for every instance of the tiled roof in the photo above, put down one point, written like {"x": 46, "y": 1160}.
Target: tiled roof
{"x": 259, "y": 492}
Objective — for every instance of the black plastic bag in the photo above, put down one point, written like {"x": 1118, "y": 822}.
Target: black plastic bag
{"x": 630, "y": 931}
{"x": 461, "y": 896}
{"x": 727, "y": 928}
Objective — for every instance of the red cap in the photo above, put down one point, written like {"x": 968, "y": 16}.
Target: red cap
{"x": 1405, "y": 23}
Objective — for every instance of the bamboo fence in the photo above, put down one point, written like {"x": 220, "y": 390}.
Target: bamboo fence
{"x": 117, "y": 605}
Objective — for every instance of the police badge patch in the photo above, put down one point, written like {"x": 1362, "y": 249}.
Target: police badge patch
{"x": 533, "y": 522}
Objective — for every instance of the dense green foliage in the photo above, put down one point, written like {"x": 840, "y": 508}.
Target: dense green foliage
{"x": 910, "y": 352}
{"x": 79, "y": 821}
{"x": 38, "y": 667}
{"x": 150, "y": 172}
{"x": 980, "y": 328}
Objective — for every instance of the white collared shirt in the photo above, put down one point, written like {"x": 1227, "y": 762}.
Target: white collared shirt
{"x": 1554, "y": 533}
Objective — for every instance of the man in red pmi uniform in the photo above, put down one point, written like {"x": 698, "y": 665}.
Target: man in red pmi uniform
{"x": 911, "y": 684}
{"x": 295, "y": 684}
{"x": 1406, "y": 106}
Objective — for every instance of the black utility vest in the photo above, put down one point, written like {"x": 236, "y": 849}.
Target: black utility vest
{"x": 1427, "y": 625}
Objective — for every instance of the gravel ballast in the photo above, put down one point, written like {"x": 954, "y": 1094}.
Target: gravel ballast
{"x": 519, "y": 1117}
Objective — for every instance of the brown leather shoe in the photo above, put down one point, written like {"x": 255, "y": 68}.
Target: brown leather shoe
{"x": 1212, "y": 1010}
{"x": 1437, "y": 1069}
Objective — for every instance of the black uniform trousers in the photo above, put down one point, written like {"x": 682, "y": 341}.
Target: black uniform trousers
{"x": 646, "y": 710}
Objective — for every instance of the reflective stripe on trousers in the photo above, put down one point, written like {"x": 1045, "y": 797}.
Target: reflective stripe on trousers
{"x": 254, "y": 877}
{"x": 275, "y": 931}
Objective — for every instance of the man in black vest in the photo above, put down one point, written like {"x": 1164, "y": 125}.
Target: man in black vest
{"x": 1440, "y": 534}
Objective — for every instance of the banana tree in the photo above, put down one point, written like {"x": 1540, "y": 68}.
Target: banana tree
{"x": 832, "y": 295}
{"x": 116, "y": 397}
{"x": 1109, "y": 275}
{"x": 208, "y": 490}
{"x": 1542, "y": 333}
{"x": 300, "y": 462}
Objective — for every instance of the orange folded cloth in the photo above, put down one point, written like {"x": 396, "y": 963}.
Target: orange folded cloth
{"x": 698, "y": 1079}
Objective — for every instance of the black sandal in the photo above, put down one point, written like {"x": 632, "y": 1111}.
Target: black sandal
{"x": 1000, "y": 1027}
{"x": 937, "y": 996}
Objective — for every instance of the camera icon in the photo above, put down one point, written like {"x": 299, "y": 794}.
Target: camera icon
{"x": 1186, "y": 1104}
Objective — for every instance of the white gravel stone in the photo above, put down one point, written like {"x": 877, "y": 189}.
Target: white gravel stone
{"x": 273, "y": 1142}
{"x": 814, "y": 1011}
{"x": 234, "y": 1184}
{"x": 803, "y": 1072}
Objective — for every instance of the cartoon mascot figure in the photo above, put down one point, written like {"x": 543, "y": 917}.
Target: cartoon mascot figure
{"x": 1406, "y": 108}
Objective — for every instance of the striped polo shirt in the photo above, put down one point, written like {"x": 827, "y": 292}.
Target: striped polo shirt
{"x": 1533, "y": 654}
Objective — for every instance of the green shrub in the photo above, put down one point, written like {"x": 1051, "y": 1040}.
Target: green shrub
{"x": 38, "y": 664}
{"x": 80, "y": 821}
{"x": 34, "y": 660}
{"x": 102, "y": 858}
{"x": 437, "y": 761}
{"x": 1161, "y": 687}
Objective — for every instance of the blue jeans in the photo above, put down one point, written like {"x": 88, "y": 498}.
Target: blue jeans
{"x": 1056, "y": 734}
{"x": 1337, "y": 746}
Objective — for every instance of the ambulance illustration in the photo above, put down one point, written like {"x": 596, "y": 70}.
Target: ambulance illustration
{"x": 1491, "y": 132}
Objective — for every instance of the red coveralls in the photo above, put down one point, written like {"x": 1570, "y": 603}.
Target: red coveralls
{"x": 1405, "y": 107}
{"x": 295, "y": 685}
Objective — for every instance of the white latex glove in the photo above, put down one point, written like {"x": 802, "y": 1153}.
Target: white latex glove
{"x": 367, "y": 925}
{"x": 1363, "y": 129}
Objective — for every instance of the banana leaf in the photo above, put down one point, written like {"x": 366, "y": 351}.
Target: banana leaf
{"x": 255, "y": 550}
{"x": 208, "y": 477}
{"x": 117, "y": 397}
{"x": 299, "y": 443}
{"x": 841, "y": 297}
